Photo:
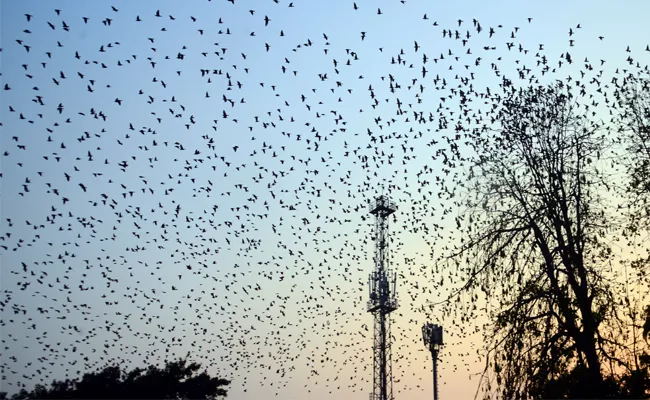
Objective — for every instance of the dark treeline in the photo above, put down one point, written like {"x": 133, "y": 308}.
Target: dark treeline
{"x": 177, "y": 380}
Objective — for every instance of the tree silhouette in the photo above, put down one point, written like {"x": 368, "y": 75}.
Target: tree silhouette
{"x": 537, "y": 243}
{"x": 633, "y": 101}
{"x": 646, "y": 324}
{"x": 177, "y": 380}
{"x": 632, "y": 96}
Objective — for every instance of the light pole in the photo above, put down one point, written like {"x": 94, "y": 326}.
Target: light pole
{"x": 432, "y": 336}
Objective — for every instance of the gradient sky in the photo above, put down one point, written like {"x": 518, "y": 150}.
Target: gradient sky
{"x": 263, "y": 213}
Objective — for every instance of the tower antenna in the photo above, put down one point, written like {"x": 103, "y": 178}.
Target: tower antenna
{"x": 432, "y": 336}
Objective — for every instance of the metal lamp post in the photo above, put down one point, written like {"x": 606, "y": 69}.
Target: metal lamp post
{"x": 432, "y": 336}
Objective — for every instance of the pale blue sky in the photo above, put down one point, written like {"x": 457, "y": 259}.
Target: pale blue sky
{"x": 310, "y": 251}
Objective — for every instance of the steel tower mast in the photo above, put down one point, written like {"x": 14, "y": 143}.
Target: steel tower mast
{"x": 381, "y": 284}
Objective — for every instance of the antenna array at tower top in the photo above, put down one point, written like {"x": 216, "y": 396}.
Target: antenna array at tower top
{"x": 382, "y": 206}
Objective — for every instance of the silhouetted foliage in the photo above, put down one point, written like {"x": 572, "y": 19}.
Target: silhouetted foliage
{"x": 634, "y": 384}
{"x": 646, "y": 324}
{"x": 537, "y": 245}
{"x": 177, "y": 380}
{"x": 633, "y": 101}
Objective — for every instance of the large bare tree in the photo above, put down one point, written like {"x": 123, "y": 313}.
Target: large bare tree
{"x": 536, "y": 245}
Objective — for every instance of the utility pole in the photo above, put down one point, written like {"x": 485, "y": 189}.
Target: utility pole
{"x": 432, "y": 336}
{"x": 382, "y": 286}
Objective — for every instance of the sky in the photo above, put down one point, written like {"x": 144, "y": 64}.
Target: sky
{"x": 195, "y": 180}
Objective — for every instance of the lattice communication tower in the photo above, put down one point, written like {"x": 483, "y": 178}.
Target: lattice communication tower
{"x": 382, "y": 286}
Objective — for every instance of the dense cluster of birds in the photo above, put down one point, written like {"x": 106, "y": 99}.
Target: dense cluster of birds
{"x": 196, "y": 182}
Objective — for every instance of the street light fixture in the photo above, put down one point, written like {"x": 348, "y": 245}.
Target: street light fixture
{"x": 432, "y": 336}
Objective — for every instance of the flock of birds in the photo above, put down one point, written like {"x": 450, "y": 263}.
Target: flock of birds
{"x": 179, "y": 182}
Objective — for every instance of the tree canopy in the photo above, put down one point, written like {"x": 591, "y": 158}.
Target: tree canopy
{"x": 176, "y": 380}
{"x": 545, "y": 205}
